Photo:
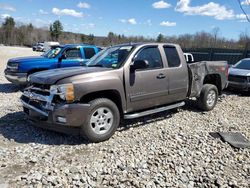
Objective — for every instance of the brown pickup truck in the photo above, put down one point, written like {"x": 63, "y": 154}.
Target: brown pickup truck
{"x": 124, "y": 81}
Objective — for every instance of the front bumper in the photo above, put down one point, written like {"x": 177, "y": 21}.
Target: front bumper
{"x": 16, "y": 77}
{"x": 245, "y": 86}
{"x": 67, "y": 118}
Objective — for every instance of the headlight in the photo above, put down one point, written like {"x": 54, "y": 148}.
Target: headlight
{"x": 13, "y": 66}
{"x": 28, "y": 78}
{"x": 65, "y": 91}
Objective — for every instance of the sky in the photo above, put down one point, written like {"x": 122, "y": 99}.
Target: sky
{"x": 137, "y": 17}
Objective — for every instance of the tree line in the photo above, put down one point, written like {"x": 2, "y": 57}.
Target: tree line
{"x": 12, "y": 33}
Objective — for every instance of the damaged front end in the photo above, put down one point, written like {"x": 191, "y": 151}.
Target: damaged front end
{"x": 53, "y": 107}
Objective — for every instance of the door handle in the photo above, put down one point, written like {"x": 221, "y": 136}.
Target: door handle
{"x": 161, "y": 76}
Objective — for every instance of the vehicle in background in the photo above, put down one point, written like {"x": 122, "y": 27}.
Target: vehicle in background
{"x": 124, "y": 81}
{"x": 38, "y": 47}
{"x": 239, "y": 75}
{"x": 18, "y": 69}
{"x": 49, "y": 45}
{"x": 189, "y": 57}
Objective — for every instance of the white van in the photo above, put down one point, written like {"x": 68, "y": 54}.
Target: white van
{"x": 48, "y": 45}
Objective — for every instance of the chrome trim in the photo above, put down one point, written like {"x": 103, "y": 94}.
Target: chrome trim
{"x": 34, "y": 108}
{"x": 153, "y": 111}
{"x": 12, "y": 67}
{"x": 39, "y": 89}
{"x": 17, "y": 78}
{"x": 34, "y": 96}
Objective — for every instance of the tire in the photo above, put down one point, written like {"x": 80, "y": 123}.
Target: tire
{"x": 102, "y": 121}
{"x": 208, "y": 97}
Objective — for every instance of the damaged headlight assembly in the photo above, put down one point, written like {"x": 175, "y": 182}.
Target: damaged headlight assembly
{"x": 64, "y": 91}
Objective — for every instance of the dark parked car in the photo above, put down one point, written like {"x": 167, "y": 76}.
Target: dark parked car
{"x": 239, "y": 75}
{"x": 125, "y": 81}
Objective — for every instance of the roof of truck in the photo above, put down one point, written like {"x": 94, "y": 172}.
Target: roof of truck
{"x": 76, "y": 45}
{"x": 144, "y": 43}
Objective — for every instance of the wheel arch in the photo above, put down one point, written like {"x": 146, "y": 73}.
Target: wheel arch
{"x": 214, "y": 79}
{"x": 110, "y": 94}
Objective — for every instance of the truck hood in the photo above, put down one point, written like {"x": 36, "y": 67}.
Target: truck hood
{"x": 52, "y": 76}
{"x": 239, "y": 72}
{"x": 28, "y": 59}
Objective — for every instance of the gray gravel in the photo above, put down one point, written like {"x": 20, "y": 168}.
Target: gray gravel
{"x": 171, "y": 149}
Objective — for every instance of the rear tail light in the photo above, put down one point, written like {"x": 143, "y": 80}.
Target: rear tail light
{"x": 224, "y": 69}
{"x": 227, "y": 70}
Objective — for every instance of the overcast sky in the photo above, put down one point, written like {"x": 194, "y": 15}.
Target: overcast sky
{"x": 137, "y": 17}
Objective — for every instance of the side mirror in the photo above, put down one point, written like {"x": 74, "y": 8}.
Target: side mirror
{"x": 63, "y": 56}
{"x": 139, "y": 64}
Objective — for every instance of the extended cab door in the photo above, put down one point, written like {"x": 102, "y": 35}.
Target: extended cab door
{"x": 147, "y": 87}
{"x": 177, "y": 72}
{"x": 71, "y": 57}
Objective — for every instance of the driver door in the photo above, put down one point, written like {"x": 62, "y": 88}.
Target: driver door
{"x": 71, "y": 57}
{"x": 147, "y": 87}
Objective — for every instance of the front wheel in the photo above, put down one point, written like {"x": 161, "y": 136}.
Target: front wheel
{"x": 102, "y": 121}
{"x": 208, "y": 97}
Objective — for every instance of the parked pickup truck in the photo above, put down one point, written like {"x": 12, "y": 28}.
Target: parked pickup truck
{"x": 124, "y": 81}
{"x": 18, "y": 69}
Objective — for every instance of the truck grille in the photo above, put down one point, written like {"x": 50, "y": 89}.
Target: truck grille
{"x": 40, "y": 89}
{"x": 38, "y": 99}
{"x": 38, "y": 104}
{"x": 234, "y": 78}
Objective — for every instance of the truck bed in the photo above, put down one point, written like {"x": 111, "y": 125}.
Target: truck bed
{"x": 202, "y": 70}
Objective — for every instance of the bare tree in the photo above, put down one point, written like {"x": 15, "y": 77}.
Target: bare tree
{"x": 215, "y": 34}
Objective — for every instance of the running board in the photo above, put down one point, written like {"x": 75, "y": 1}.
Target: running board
{"x": 153, "y": 111}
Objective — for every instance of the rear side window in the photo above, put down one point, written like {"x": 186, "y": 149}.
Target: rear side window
{"x": 152, "y": 55}
{"x": 73, "y": 53}
{"x": 172, "y": 56}
{"x": 89, "y": 52}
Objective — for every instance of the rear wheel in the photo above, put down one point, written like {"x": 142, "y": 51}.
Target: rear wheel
{"x": 208, "y": 97}
{"x": 102, "y": 121}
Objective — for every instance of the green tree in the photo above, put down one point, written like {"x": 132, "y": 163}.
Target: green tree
{"x": 56, "y": 30}
{"x": 160, "y": 38}
{"x": 8, "y": 28}
{"x": 91, "y": 38}
{"x": 30, "y": 27}
{"x": 111, "y": 37}
{"x": 83, "y": 38}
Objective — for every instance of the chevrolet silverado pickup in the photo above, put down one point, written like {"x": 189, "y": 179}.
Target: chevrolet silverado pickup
{"x": 18, "y": 69}
{"x": 122, "y": 82}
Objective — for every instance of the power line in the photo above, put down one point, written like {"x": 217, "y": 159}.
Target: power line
{"x": 244, "y": 12}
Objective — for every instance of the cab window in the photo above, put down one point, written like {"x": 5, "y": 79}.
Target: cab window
{"x": 152, "y": 55}
{"x": 172, "y": 56}
{"x": 89, "y": 53}
{"x": 73, "y": 53}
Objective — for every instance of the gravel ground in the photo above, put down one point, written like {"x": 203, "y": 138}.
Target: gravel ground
{"x": 171, "y": 149}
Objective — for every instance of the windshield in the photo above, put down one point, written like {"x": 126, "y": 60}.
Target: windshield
{"x": 112, "y": 57}
{"x": 52, "y": 53}
{"x": 243, "y": 64}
